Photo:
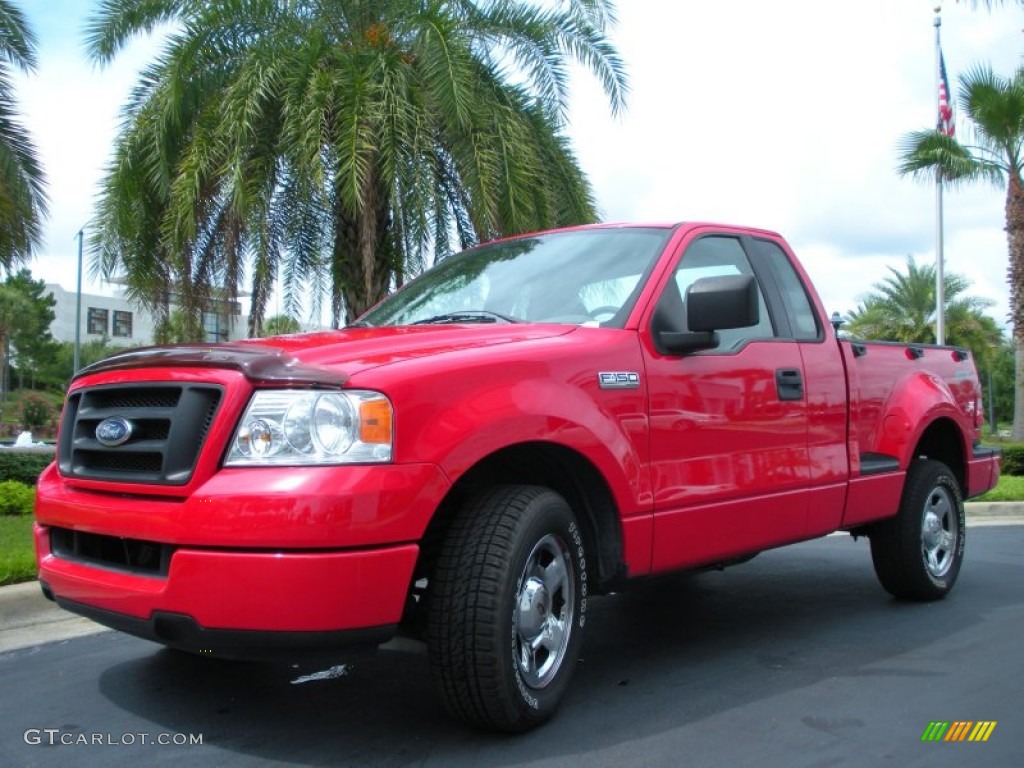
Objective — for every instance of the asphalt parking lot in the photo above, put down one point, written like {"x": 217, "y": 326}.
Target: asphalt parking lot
{"x": 797, "y": 658}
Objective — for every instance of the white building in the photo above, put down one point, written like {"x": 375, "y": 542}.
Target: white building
{"x": 123, "y": 323}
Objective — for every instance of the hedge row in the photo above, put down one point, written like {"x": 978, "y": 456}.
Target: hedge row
{"x": 1013, "y": 460}
{"x": 22, "y": 467}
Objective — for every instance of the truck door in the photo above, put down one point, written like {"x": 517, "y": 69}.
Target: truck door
{"x": 729, "y": 458}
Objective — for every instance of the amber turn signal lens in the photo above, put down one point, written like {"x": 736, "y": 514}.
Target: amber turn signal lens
{"x": 375, "y": 421}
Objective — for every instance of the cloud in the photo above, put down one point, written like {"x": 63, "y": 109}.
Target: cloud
{"x": 788, "y": 116}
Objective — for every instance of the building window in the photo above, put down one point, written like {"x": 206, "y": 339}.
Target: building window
{"x": 97, "y": 321}
{"x": 215, "y": 327}
{"x": 123, "y": 324}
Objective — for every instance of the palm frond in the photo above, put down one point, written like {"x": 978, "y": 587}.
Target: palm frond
{"x": 18, "y": 43}
{"x": 116, "y": 22}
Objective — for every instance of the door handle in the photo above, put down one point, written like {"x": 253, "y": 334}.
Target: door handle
{"x": 789, "y": 383}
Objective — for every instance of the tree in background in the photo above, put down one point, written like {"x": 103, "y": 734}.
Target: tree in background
{"x": 279, "y": 325}
{"x": 22, "y": 186}
{"x": 31, "y": 342}
{"x": 178, "y": 327}
{"x": 994, "y": 107}
{"x": 997, "y": 382}
{"x": 26, "y": 311}
{"x": 35, "y": 410}
{"x": 342, "y": 143}
{"x": 55, "y": 372}
{"x": 13, "y": 306}
{"x": 902, "y": 308}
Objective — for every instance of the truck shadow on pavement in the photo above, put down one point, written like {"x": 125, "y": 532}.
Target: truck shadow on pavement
{"x": 666, "y": 653}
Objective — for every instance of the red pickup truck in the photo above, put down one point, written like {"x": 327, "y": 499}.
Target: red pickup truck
{"x": 530, "y": 423}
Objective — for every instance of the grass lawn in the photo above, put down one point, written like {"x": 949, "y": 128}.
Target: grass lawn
{"x": 17, "y": 556}
{"x": 1009, "y": 488}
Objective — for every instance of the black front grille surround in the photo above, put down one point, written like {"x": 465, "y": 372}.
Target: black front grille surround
{"x": 169, "y": 424}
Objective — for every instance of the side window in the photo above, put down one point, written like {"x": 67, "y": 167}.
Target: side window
{"x": 715, "y": 257}
{"x": 801, "y": 312}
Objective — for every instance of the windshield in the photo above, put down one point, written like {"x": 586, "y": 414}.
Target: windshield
{"x": 583, "y": 277}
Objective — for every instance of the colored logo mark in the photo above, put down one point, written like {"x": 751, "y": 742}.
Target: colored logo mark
{"x": 959, "y": 730}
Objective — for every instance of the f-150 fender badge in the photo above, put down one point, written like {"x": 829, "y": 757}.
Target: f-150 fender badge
{"x": 618, "y": 380}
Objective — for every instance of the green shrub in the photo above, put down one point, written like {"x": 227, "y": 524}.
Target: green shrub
{"x": 23, "y": 467}
{"x": 16, "y": 498}
{"x": 1013, "y": 460}
{"x": 34, "y": 410}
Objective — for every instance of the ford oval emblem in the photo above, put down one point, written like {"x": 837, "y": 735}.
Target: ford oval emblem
{"x": 113, "y": 431}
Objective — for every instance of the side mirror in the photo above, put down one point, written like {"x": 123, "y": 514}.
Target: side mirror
{"x": 713, "y": 304}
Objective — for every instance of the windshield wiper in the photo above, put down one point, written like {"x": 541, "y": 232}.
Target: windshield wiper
{"x": 466, "y": 316}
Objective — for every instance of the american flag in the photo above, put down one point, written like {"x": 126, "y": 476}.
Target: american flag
{"x": 945, "y": 124}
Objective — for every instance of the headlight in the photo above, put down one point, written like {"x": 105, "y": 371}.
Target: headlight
{"x": 295, "y": 426}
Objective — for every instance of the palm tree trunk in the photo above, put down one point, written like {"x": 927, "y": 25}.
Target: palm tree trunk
{"x": 3, "y": 365}
{"x": 1015, "y": 238}
{"x": 362, "y": 259}
{"x": 1018, "y": 389}
{"x": 344, "y": 251}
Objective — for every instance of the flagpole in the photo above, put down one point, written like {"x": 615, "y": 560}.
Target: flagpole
{"x": 940, "y": 299}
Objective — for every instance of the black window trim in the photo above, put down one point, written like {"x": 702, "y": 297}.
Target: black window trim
{"x": 764, "y": 264}
{"x": 772, "y": 293}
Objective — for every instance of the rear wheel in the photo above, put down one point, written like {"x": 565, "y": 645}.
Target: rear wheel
{"x": 918, "y": 554}
{"x": 507, "y": 608}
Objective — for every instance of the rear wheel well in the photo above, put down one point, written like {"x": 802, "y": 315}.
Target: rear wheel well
{"x": 943, "y": 442}
{"x": 553, "y": 466}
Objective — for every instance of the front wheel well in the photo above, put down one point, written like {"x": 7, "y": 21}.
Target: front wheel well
{"x": 553, "y": 466}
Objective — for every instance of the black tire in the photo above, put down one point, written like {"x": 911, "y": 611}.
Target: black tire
{"x": 511, "y": 569}
{"x": 918, "y": 553}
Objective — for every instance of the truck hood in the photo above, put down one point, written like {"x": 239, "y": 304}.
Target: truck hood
{"x": 326, "y": 358}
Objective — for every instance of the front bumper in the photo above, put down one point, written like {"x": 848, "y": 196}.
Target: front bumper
{"x": 242, "y": 603}
{"x": 262, "y": 558}
{"x": 176, "y": 630}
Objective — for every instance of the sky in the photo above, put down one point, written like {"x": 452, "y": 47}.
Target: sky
{"x": 783, "y": 115}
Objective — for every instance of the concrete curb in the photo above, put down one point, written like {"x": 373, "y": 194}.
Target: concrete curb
{"x": 994, "y": 509}
{"x": 27, "y": 618}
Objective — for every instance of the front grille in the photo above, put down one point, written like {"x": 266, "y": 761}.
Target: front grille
{"x": 168, "y": 427}
{"x": 122, "y": 462}
{"x": 156, "y": 397}
{"x": 147, "y": 558}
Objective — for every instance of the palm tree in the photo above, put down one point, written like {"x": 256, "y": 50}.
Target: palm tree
{"x": 22, "y": 187}
{"x": 994, "y": 106}
{"x": 902, "y": 308}
{"x": 341, "y": 142}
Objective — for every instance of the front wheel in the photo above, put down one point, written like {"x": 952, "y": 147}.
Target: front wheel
{"x": 507, "y": 608}
{"x": 918, "y": 554}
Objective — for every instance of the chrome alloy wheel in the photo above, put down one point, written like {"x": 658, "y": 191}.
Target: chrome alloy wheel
{"x": 544, "y": 611}
{"x": 939, "y": 532}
